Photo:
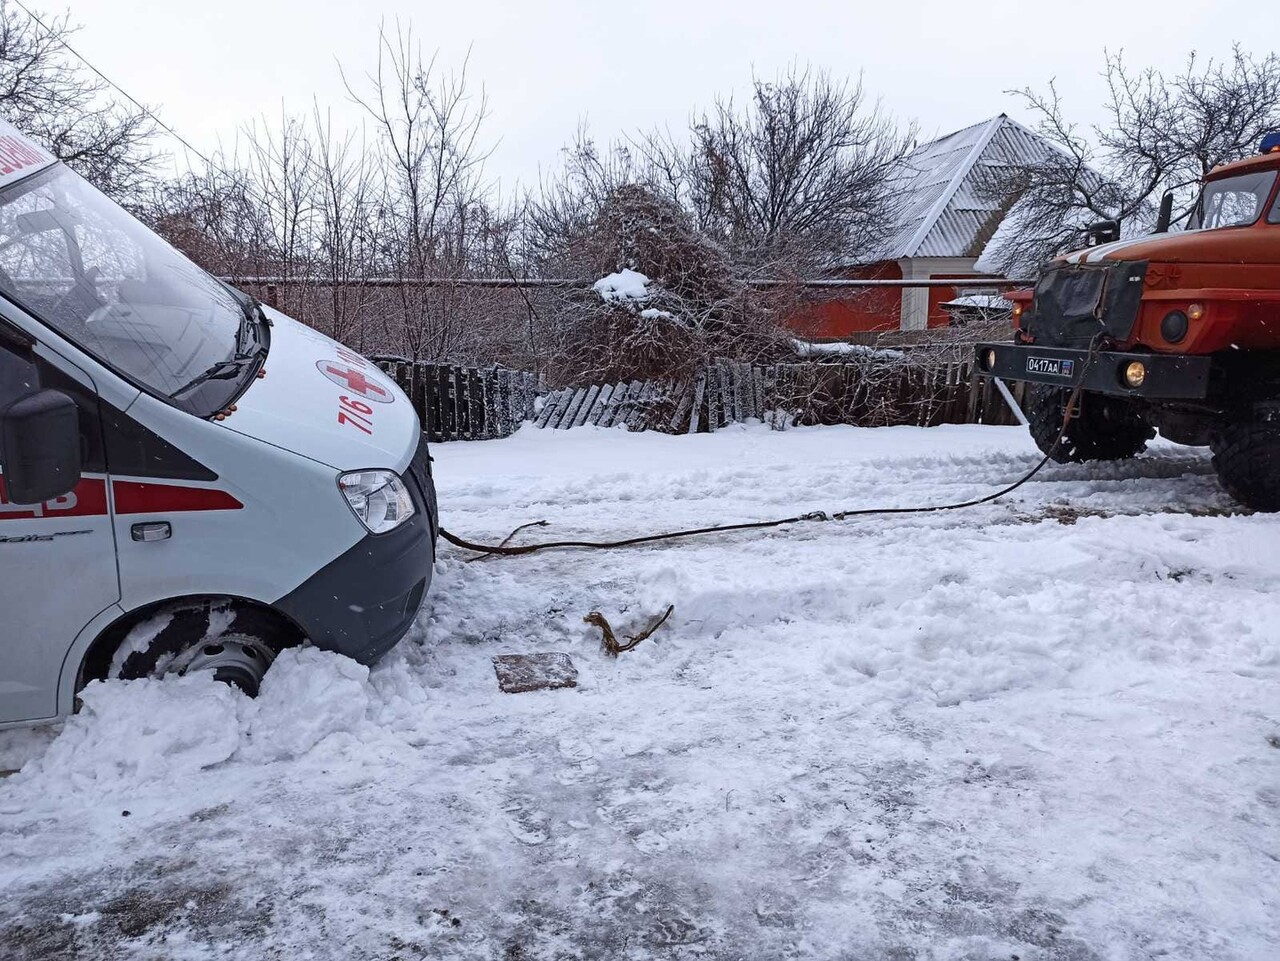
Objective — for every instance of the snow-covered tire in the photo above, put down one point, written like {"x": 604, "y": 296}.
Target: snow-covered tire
{"x": 1246, "y": 456}
{"x": 1107, "y": 428}
{"x": 189, "y": 638}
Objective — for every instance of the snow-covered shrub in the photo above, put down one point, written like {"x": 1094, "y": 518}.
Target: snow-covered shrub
{"x": 666, "y": 303}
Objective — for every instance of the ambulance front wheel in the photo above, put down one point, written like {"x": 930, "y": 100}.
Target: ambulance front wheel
{"x": 236, "y": 644}
{"x": 236, "y": 659}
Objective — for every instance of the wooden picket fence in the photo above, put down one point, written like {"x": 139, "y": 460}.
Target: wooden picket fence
{"x": 465, "y": 403}
{"x": 783, "y": 395}
{"x": 472, "y": 403}
{"x": 640, "y": 405}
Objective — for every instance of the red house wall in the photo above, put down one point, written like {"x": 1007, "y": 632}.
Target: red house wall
{"x": 940, "y": 295}
{"x": 873, "y": 309}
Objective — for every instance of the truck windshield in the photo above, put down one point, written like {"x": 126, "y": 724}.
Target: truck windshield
{"x": 90, "y": 270}
{"x": 1235, "y": 201}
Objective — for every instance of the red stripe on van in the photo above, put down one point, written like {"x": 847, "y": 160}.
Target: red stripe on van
{"x": 89, "y": 499}
{"x": 135, "y": 497}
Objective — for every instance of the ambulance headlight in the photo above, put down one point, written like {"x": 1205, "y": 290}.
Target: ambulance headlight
{"x": 378, "y": 497}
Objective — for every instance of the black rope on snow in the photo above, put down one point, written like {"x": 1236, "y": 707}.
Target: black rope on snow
{"x": 509, "y": 551}
{"x": 503, "y": 549}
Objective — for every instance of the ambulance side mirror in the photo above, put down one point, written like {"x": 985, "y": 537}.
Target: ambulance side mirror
{"x": 40, "y": 447}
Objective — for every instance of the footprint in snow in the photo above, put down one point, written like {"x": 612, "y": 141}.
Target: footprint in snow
{"x": 673, "y": 927}
{"x": 581, "y": 760}
{"x": 578, "y": 773}
{"x": 650, "y": 842}
{"x": 574, "y": 749}
{"x": 527, "y": 824}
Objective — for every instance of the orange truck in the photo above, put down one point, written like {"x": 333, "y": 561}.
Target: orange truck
{"x": 1176, "y": 331}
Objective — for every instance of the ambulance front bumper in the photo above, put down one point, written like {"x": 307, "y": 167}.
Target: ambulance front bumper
{"x": 365, "y": 601}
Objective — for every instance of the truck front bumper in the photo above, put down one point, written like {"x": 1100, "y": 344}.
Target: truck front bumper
{"x": 1167, "y": 376}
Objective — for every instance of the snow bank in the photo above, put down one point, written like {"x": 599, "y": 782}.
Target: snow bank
{"x": 162, "y": 730}
{"x": 135, "y": 732}
{"x": 306, "y": 696}
{"x": 807, "y": 348}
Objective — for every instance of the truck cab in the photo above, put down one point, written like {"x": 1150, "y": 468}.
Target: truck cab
{"x": 1175, "y": 331}
{"x": 189, "y": 480}
{"x": 1222, "y": 273}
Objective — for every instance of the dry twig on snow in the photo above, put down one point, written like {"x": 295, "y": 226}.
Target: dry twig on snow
{"x": 609, "y": 641}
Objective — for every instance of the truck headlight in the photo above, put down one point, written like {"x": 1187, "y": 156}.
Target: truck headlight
{"x": 378, "y": 498}
{"x": 1175, "y": 325}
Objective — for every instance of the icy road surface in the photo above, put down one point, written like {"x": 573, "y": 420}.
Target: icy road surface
{"x": 1044, "y": 729}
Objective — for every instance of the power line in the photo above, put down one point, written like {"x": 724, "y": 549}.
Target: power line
{"x": 836, "y": 283}
{"x": 112, "y": 84}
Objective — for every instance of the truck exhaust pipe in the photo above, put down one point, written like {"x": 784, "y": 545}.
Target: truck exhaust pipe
{"x": 1165, "y": 217}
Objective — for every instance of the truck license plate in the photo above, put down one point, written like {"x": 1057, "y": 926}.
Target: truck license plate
{"x": 1052, "y": 366}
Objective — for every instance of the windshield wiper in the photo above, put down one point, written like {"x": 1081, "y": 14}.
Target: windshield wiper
{"x": 250, "y": 345}
{"x": 222, "y": 370}
{"x": 253, "y": 319}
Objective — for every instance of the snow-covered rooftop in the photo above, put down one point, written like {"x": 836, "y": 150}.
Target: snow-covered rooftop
{"x": 947, "y": 211}
{"x": 981, "y": 302}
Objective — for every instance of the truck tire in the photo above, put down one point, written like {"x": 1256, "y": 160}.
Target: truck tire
{"x": 1246, "y": 456}
{"x": 1106, "y": 428}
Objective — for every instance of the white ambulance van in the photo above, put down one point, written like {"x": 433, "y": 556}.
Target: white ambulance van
{"x": 188, "y": 480}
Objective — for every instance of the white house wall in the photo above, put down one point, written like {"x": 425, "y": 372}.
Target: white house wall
{"x": 915, "y": 300}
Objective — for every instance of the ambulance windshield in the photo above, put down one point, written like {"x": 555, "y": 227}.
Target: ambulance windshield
{"x": 83, "y": 265}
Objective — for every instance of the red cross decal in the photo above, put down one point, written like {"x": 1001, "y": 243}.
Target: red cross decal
{"x": 355, "y": 381}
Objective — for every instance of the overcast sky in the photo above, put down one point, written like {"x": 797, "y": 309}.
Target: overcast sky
{"x": 548, "y": 64}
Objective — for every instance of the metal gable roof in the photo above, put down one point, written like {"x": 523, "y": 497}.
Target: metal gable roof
{"x": 946, "y": 212}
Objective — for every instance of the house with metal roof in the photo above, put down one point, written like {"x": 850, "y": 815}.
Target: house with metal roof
{"x": 948, "y": 216}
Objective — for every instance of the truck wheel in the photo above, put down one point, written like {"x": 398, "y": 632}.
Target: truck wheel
{"x": 1106, "y": 428}
{"x": 187, "y": 639}
{"x": 1246, "y": 456}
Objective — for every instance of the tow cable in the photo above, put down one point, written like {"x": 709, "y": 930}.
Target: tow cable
{"x": 504, "y": 549}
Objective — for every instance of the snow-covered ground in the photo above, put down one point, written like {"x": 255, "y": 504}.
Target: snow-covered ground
{"x": 1046, "y": 728}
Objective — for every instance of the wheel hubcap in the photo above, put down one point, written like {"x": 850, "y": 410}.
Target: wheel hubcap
{"x": 240, "y": 661}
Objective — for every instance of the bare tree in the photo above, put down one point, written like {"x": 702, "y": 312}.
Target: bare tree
{"x": 1162, "y": 134}
{"x": 796, "y": 183}
{"x": 214, "y": 216}
{"x": 561, "y": 220}
{"x": 52, "y": 97}
{"x": 347, "y": 203}
{"x": 799, "y": 174}
{"x": 429, "y": 126}
{"x": 282, "y": 167}
{"x": 326, "y": 211}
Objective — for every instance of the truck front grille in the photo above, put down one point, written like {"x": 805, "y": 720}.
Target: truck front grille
{"x": 1074, "y": 303}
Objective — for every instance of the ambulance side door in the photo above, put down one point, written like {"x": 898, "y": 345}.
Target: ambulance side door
{"x": 57, "y": 559}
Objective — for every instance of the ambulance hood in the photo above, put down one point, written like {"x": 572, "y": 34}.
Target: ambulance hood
{"x": 324, "y": 401}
